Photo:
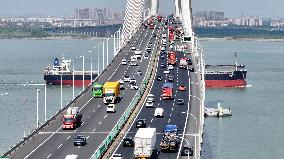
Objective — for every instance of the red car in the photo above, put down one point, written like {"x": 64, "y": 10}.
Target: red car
{"x": 182, "y": 88}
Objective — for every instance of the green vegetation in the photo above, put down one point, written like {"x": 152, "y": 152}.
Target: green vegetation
{"x": 22, "y": 32}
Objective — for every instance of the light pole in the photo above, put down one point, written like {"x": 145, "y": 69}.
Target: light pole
{"x": 195, "y": 152}
{"x": 83, "y": 72}
{"x": 98, "y": 59}
{"x": 91, "y": 66}
{"x": 61, "y": 104}
{"x": 187, "y": 144}
{"x": 73, "y": 78}
{"x": 37, "y": 120}
{"x": 103, "y": 55}
{"x": 107, "y": 49}
{"x": 45, "y": 102}
{"x": 114, "y": 44}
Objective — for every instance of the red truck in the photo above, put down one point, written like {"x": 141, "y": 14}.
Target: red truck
{"x": 167, "y": 91}
{"x": 159, "y": 18}
{"x": 172, "y": 58}
{"x": 72, "y": 118}
{"x": 151, "y": 26}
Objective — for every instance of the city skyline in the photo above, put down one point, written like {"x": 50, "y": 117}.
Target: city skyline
{"x": 270, "y": 9}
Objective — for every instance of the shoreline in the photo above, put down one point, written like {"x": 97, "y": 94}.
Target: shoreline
{"x": 201, "y": 39}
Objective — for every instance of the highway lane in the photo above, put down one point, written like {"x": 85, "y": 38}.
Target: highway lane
{"x": 94, "y": 113}
{"x": 173, "y": 114}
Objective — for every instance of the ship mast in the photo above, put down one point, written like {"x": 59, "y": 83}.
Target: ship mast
{"x": 236, "y": 61}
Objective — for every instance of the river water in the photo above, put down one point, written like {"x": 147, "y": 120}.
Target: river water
{"x": 253, "y": 132}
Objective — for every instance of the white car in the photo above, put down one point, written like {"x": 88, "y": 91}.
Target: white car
{"x": 166, "y": 72}
{"x": 116, "y": 156}
{"x": 149, "y": 104}
{"x": 132, "y": 80}
{"x": 121, "y": 84}
{"x": 71, "y": 156}
{"x": 133, "y": 87}
{"x": 111, "y": 108}
{"x": 150, "y": 97}
{"x": 124, "y": 62}
{"x": 126, "y": 79}
{"x": 159, "y": 112}
{"x": 170, "y": 67}
{"x": 133, "y": 48}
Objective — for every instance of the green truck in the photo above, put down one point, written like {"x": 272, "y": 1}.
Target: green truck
{"x": 97, "y": 90}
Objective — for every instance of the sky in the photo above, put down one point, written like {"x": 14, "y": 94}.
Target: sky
{"x": 268, "y": 8}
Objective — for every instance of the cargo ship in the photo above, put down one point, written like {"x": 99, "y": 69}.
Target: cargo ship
{"x": 225, "y": 75}
{"x": 61, "y": 71}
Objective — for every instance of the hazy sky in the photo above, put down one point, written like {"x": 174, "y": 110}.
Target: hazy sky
{"x": 267, "y": 8}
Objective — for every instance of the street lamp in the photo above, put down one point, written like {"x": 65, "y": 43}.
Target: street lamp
{"x": 187, "y": 144}
{"x": 195, "y": 149}
{"x": 83, "y": 72}
{"x": 37, "y": 120}
{"x": 107, "y": 49}
{"x": 91, "y": 66}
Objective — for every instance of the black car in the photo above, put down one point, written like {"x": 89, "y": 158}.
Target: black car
{"x": 128, "y": 142}
{"x": 186, "y": 151}
{"x": 159, "y": 78}
{"x": 180, "y": 102}
{"x": 80, "y": 140}
{"x": 162, "y": 65}
{"x": 154, "y": 35}
{"x": 141, "y": 123}
{"x": 162, "y": 56}
{"x": 171, "y": 79}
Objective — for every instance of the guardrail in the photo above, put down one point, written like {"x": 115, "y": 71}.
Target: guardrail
{"x": 124, "y": 118}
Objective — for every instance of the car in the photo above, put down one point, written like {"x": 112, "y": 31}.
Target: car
{"x": 126, "y": 79}
{"x": 124, "y": 62}
{"x": 133, "y": 48}
{"x": 150, "y": 97}
{"x": 139, "y": 72}
{"x": 186, "y": 151}
{"x": 73, "y": 156}
{"x": 133, "y": 86}
{"x": 132, "y": 81}
{"x": 162, "y": 65}
{"x": 80, "y": 140}
{"x": 159, "y": 78}
{"x": 150, "y": 44}
{"x": 163, "y": 48}
{"x": 149, "y": 104}
{"x": 180, "y": 102}
{"x": 146, "y": 56}
{"x": 166, "y": 72}
{"x": 170, "y": 67}
{"x": 182, "y": 88}
{"x": 111, "y": 108}
{"x": 128, "y": 142}
{"x": 162, "y": 56}
{"x": 148, "y": 49}
{"x": 116, "y": 156}
{"x": 159, "y": 112}
{"x": 171, "y": 78}
{"x": 141, "y": 123}
{"x": 121, "y": 84}
{"x": 154, "y": 35}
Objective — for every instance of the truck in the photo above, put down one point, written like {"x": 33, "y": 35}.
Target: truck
{"x": 172, "y": 58}
{"x": 72, "y": 118}
{"x": 170, "y": 140}
{"x": 138, "y": 54}
{"x": 171, "y": 36}
{"x": 97, "y": 90}
{"x": 167, "y": 91}
{"x": 183, "y": 63}
{"x": 144, "y": 143}
{"x": 111, "y": 91}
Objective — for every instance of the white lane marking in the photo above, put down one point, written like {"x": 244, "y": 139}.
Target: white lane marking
{"x": 94, "y": 129}
{"x": 105, "y": 116}
{"x": 48, "y": 156}
{"x": 75, "y": 130}
{"x": 82, "y": 123}
{"x": 68, "y": 137}
{"x": 151, "y": 120}
{"x": 100, "y": 123}
{"x": 172, "y": 109}
{"x": 99, "y": 106}
{"x": 94, "y": 110}
{"x": 87, "y": 137}
{"x": 170, "y": 114}
{"x": 183, "y": 112}
{"x": 59, "y": 146}
{"x": 79, "y": 147}
{"x": 158, "y": 103}
{"x": 173, "y": 103}
{"x": 43, "y": 142}
{"x": 169, "y": 120}
{"x": 149, "y": 126}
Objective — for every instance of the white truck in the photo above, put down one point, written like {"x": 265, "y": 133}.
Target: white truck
{"x": 145, "y": 140}
{"x": 133, "y": 61}
{"x": 183, "y": 63}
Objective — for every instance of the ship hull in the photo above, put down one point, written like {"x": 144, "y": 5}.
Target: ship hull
{"x": 225, "y": 83}
{"x": 68, "y": 79}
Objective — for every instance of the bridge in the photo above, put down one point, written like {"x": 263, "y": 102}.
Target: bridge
{"x": 105, "y": 131}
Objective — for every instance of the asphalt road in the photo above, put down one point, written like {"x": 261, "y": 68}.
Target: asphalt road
{"x": 53, "y": 142}
{"x": 173, "y": 113}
